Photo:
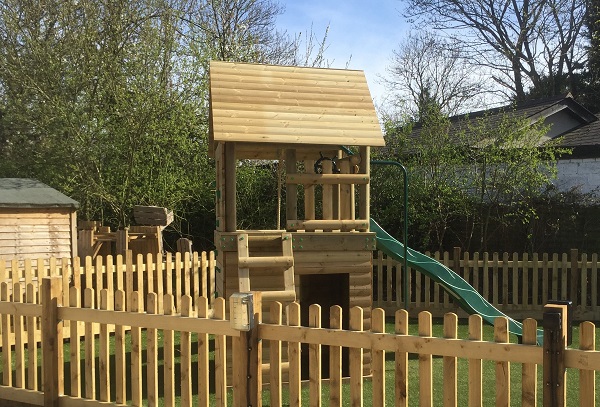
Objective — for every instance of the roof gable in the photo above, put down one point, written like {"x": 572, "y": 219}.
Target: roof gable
{"x": 30, "y": 193}
{"x": 292, "y": 105}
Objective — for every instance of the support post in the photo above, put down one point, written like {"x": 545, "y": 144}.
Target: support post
{"x": 247, "y": 362}
{"x": 575, "y": 279}
{"x": 555, "y": 342}
{"x": 52, "y": 335}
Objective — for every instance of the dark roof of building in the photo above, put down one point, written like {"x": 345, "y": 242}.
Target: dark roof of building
{"x": 30, "y": 193}
{"x": 585, "y": 134}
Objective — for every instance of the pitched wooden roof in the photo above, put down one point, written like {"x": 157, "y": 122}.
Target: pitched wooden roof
{"x": 291, "y": 105}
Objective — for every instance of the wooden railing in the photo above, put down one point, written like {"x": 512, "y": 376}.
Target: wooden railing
{"x": 178, "y": 364}
{"x": 519, "y": 285}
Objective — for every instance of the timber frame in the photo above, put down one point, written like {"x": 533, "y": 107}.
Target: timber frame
{"x": 301, "y": 118}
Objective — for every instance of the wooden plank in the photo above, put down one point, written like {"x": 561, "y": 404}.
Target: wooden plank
{"x": 19, "y": 361}
{"x": 203, "y": 356}
{"x": 328, "y": 224}
{"x": 364, "y": 193}
{"x": 294, "y": 359}
{"x": 401, "y": 359}
{"x": 450, "y": 363}
{"x": 169, "y": 357}
{"x": 52, "y": 351}
{"x": 515, "y": 279}
{"x": 104, "y": 356}
{"x": 425, "y": 363}
{"x": 335, "y": 360}
{"x": 32, "y": 350}
{"x": 475, "y": 364}
{"x": 587, "y": 378}
{"x": 356, "y": 359}
{"x": 529, "y": 370}
{"x": 314, "y": 357}
{"x": 152, "y": 354}
{"x": 6, "y": 345}
{"x": 89, "y": 347}
{"x": 230, "y": 188}
{"x": 120, "y": 370}
{"x": 378, "y": 361}
{"x": 75, "y": 346}
{"x": 243, "y": 272}
{"x": 220, "y": 356}
{"x": 185, "y": 358}
{"x": 502, "y": 367}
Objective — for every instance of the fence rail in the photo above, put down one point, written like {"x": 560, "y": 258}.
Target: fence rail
{"x": 165, "y": 356}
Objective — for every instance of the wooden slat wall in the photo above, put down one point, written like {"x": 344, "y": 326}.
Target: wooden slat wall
{"x": 36, "y": 233}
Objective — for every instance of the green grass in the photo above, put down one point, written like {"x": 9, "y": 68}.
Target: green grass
{"x": 462, "y": 369}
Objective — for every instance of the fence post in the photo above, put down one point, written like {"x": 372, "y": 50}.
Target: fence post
{"x": 555, "y": 342}
{"x": 575, "y": 277}
{"x": 52, "y": 340}
{"x": 247, "y": 361}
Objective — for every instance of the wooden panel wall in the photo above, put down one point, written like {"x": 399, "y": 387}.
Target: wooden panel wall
{"x": 34, "y": 233}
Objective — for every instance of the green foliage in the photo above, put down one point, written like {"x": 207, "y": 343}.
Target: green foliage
{"x": 468, "y": 177}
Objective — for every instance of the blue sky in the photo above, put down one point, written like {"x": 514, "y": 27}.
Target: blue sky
{"x": 364, "y": 32}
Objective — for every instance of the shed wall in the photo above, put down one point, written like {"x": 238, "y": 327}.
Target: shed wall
{"x": 33, "y": 233}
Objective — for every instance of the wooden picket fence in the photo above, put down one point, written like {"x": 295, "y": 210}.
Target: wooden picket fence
{"x": 164, "y": 358}
{"x": 519, "y": 285}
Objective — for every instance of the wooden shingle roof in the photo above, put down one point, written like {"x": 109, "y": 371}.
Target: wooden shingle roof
{"x": 291, "y": 105}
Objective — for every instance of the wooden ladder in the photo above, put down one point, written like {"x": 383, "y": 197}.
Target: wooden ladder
{"x": 285, "y": 261}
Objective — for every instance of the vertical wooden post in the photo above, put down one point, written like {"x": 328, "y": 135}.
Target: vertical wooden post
{"x": 364, "y": 210}
{"x": 555, "y": 342}
{"x": 52, "y": 340}
{"x": 291, "y": 190}
{"x": 230, "y": 188}
{"x": 122, "y": 241}
{"x": 575, "y": 279}
{"x": 247, "y": 362}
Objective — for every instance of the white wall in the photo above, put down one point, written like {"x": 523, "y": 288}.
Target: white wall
{"x": 582, "y": 173}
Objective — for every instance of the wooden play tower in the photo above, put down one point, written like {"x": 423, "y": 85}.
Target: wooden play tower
{"x": 301, "y": 118}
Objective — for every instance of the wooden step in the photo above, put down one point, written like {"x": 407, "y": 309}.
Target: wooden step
{"x": 256, "y": 262}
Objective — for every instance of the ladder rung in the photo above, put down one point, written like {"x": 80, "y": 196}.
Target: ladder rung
{"x": 283, "y": 295}
{"x": 277, "y": 261}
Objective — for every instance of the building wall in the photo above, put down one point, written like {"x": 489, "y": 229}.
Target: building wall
{"x": 37, "y": 233}
{"x": 580, "y": 173}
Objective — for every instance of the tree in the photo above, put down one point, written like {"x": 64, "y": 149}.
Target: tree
{"x": 520, "y": 42}
{"x": 469, "y": 177}
{"x": 428, "y": 69}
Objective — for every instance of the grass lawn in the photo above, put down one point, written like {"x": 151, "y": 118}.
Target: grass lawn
{"x": 488, "y": 373}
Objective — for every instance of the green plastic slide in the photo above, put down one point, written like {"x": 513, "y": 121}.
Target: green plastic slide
{"x": 465, "y": 294}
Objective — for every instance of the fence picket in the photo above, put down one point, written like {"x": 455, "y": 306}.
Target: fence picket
{"x": 32, "y": 351}
{"x": 335, "y": 359}
{"x": 121, "y": 382}
{"x": 6, "y": 342}
{"x": 314, "y": 357}
{"x": 169, "y": 356}
{"x": 136, "y": 352}
{"x": 450, "y": 385}
{"x": 401, "y": 358}
{"x": 220, "y": 356}
{"x": 425, "y": 363}
{"x": 275, "y": 317}
{"x": 75, "y": 345}
{"x": 587, "y": 378}
{"x": 294, "y": 356}
{"x": 502, "y": 367}
{"x": 185, "y": 357}
{"x": 89, "y": 347}
{"x": 356, "y": 360}
{"x": 19, "y": 361}
{"x": 104, "y": 357}
{"x": 152, "y": 354}
{"x": 378, "y": 360}
{"x": 529, "y": 370}
{"x": 475, "y": 365}
{"x": 203, "y": 356}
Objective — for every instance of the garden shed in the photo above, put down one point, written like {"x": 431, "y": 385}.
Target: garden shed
{"x": 36, "y": 221}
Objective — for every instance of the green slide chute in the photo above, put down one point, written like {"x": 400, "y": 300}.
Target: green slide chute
{"x": 465, "y": 294}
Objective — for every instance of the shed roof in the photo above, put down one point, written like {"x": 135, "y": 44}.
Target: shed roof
{"x": 30, "y": 193}
{"x": 292, "y": 105}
